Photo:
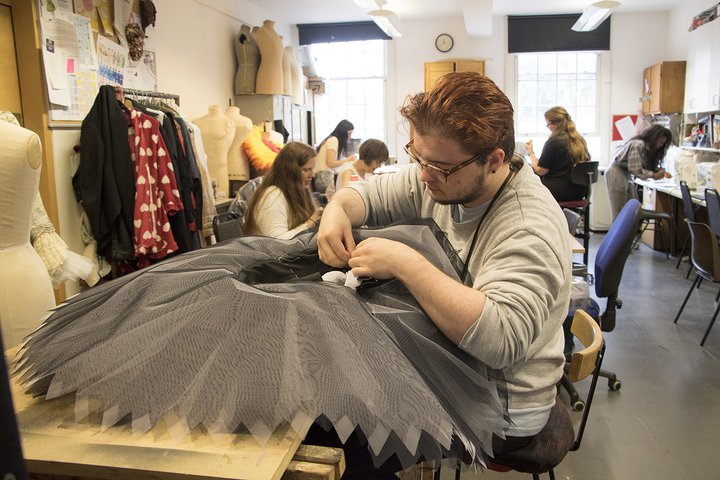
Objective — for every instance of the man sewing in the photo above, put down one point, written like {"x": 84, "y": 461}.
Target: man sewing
{"x": 506, "y": 227}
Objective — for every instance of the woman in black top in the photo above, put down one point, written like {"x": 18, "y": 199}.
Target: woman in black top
{"x": 561, "y": 152}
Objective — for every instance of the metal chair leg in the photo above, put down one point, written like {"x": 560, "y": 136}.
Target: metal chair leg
{"x": 697, "y": 279}
{"x": 712, "y": 322}
{"x": 682, "y": 252}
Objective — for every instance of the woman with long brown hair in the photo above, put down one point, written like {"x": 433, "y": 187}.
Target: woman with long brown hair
{"x": 565, "y": 148}
{"x": 283, "y": 205}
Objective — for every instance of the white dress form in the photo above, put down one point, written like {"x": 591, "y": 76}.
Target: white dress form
{"x": 270, "y": 72}
{"x": 287, "y": 71}
{"x": 238, "y": 166}
{"x": 217, "y": 132}
{"x": 248, "y": 58}
{"x": 26, "y": 292}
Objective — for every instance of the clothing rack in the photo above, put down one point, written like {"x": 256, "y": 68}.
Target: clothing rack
{"x": 146, "y": 93}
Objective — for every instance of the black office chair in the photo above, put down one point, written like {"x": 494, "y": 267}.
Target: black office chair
{"x": 609, "y": 265}
{"x": 547, "y": 449}
{"x": 227, "y": 225}
{"x": 656, "y": 219}
{"x": 690, "y": 214}
{"x": 705, "y": 257}
{"x": 585, "y": 173}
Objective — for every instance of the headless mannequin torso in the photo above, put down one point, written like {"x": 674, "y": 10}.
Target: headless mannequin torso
{"x": 248, "y": 58}
{"x": 297, "y": 77}
{"x": 238, "y": 167}
{"x": 270, "y": 72}
{"x": 287, "y": 71}
{"x": 217, "y": 132}
{"x": 26, "y": 292}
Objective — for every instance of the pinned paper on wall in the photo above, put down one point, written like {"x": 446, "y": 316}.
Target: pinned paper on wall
{"x": 624, "y": 127}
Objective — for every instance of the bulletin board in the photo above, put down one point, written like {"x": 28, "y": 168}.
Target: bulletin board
{"x": 84, "y": 45}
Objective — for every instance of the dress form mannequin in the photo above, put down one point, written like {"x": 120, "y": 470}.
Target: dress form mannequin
{"x": 297, "y": 77}
{"x": 238, "y": 167}
{"x": 217, "y": 131}
{"x": 26, "y": 292}
{"x": 287, "y": 71}
{"x": 270, "y": 72}
{"x": 248, "y": 58}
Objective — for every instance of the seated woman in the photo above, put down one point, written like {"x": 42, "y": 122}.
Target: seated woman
{"x": 283, "y": 206}
{"x": 333, "y": 150}
{"x": 373, "y": 153}
{"x": 565, "y": 148}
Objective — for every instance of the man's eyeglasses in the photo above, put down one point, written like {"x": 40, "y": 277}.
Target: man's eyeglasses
{"x": 445, "y": 172}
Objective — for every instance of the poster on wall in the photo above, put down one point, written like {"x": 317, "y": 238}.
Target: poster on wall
{"x": 624, "y": 127}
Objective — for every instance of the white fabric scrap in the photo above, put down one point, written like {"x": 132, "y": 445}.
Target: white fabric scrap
{"x": 343, "y": 278}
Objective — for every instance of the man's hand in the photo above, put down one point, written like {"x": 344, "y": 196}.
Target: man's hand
{"x": 335, "y": 240}
{"x": 383, "y": 259}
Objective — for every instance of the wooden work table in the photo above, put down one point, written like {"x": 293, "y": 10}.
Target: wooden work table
{"x": 54, "y": 443}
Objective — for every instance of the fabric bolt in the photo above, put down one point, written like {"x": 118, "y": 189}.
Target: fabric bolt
{"x": 244, "y": 335}
{"x": 156, "y": 194}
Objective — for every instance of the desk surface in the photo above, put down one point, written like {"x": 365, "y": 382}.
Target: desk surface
{"x": 669, "y": 187}
{"x": 575, "y": 245}
{"x": 53, "y": 443}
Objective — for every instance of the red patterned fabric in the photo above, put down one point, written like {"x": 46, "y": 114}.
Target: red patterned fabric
{"x": 156, "y": 192}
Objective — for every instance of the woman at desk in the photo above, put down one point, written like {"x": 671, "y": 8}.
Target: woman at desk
{"x": 332, "y": 150}
{"x": 565, "y": 148}
{"x": 283, "y": 206}
{"x": 640, "y": 157}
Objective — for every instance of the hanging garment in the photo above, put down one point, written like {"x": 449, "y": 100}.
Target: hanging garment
{"x": 244, "y": 334}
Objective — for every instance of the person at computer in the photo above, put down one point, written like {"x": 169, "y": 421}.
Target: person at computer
{"x": 505, "y": 226}
{"x": 562, "y": 151}
{"x": 640, "y": 158}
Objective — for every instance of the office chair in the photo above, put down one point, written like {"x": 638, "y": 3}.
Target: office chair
{"x": 705, "y": 257}
{"x": 712, "y": 203}
{"x": 689, "y": 210}
{"x": 609, "y": 264}
{"x": 548, "y": 448}
{"x": 585, "y": 173}
{"x": 227, "y": 225}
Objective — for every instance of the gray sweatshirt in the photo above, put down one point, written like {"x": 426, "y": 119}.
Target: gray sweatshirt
{"x": 522, "y": 262}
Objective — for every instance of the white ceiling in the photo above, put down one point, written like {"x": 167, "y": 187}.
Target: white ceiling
{"x": 323, "y": 11}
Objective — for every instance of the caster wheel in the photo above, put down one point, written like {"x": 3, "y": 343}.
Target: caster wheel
{"x": 578, "y": 405}
{"x": 614, "y": 385}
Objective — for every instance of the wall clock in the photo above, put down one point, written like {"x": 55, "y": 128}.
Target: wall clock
{"x": 444, "y": 42}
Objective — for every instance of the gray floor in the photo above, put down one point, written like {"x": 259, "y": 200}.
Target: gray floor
{"x": 664, "y": 423}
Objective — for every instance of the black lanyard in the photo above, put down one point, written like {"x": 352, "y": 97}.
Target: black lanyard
{"x": 477, "y": 229}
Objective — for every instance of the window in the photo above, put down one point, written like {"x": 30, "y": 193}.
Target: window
{"x": 567, "y": 79}
{"x": 355, "y": 75}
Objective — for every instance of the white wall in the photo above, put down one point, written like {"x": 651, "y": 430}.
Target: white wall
{"x": 409, "y": 53}
{"x": 195, "y": 54}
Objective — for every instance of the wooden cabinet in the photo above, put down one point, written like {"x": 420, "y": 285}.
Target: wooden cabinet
{"x": 435, "y": 70}
{"x": 663, "y": 88}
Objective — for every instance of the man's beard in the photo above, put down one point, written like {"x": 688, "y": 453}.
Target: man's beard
{"x": 469, "y": 194}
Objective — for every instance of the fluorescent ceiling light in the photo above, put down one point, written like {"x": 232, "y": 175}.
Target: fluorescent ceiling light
{"x": 366, "y": 3}
{"x": 387, "y": 21}
{"x": 594, "y": 15}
